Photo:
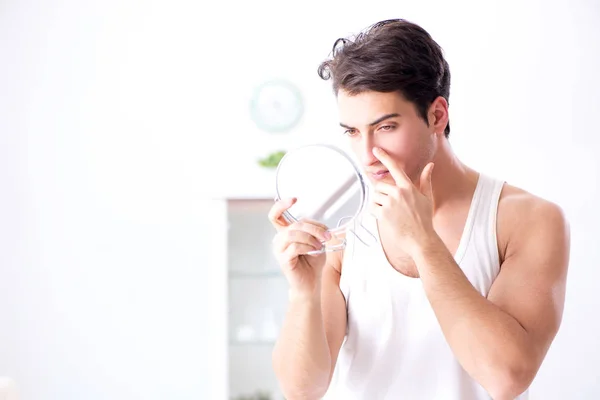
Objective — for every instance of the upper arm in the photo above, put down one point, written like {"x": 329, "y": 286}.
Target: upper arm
{"x": 333, "y": 306}
{"x": 532, "y": 280}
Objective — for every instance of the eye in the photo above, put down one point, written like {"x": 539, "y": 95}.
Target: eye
{"x": 387, "y": 128}
{"x": 350, "y": 132}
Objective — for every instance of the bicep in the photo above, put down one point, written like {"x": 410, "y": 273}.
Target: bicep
{"x": 333, "y": 307}
{"x": 532, "y": 279}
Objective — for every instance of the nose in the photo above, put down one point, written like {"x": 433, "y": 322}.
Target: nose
{"x": 365, "y": 151}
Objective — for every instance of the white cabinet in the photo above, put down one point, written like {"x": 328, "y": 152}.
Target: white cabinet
{"x": 250, "y": 296}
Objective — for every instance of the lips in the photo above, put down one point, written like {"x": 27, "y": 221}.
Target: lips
{"x": 380, "y": 174}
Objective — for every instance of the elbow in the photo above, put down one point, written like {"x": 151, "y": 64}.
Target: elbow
{"x": 510, "y": 382}
{"x": 297, "y": 390}
{"x": 302, "y": 395}
{"x": 293, "y": 389}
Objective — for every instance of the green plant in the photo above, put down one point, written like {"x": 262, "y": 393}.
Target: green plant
{"x": 272, "y": 161}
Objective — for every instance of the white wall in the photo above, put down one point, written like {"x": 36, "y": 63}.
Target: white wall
{"x": 102, "y": 286}
{"x": 118, "y": 117}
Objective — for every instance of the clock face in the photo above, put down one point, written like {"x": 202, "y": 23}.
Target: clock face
{"x": 276, "y": 106}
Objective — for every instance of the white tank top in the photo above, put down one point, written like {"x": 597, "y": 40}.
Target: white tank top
{"x": 394, "y": 347}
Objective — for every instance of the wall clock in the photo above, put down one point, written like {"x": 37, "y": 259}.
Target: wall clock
{"x": 276, "y": 106}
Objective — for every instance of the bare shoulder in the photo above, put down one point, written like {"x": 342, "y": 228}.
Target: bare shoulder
{"x": 527, "y": 219}
{"x": 533, "y": 239}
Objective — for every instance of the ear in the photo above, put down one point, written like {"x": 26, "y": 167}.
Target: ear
{"x": 438, "y": 115}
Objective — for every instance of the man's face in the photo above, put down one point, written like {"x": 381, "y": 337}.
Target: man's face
{"x": 388, "y": 121}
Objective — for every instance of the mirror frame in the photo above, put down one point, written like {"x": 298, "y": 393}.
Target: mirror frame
{"x": 361, "y": 181}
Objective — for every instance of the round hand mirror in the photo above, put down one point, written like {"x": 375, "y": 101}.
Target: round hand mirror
{"x": 328, "y": 187}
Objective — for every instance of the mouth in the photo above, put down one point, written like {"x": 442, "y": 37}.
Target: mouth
{"x": 378, "y": 175}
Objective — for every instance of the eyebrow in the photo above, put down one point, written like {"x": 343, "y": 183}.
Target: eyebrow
{"x": 378, "y": 120}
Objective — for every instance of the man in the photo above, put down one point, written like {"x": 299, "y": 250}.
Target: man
{"x": 463, "y": 293}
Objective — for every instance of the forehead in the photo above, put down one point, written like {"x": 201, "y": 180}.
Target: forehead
{"x": 365, "y": 107}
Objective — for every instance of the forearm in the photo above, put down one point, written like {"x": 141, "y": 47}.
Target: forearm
{"x": 490, "y": 344}
{"x": 301, "y": 358}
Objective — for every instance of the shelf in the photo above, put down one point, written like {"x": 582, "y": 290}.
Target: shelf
{"x": 257, "y": 291}
{"x": 255, "y": 275}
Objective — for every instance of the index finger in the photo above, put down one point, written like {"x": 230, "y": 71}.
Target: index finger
{"x": 277, "y": 210}
{"x": 314, "y": 222}
{"x": 397, "y": 173}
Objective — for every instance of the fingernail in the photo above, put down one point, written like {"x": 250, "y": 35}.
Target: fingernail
{"x": 327, "y": 235}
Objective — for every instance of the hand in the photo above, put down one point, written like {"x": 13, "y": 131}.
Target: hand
{"x": 290, "y": 245}
{"x": 407, "y": 211}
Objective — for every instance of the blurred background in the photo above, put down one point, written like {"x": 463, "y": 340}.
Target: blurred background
{"x": 134, "y": 246}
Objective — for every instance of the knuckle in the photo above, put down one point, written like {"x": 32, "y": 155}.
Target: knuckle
{"x": 301, "y": 225}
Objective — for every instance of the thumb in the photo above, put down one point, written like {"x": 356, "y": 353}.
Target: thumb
{"x": 425, "y": 183}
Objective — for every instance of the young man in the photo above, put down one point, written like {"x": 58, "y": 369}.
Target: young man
{"x": 463, "y": 293}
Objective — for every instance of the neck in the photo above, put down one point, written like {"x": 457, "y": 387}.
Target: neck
{"x": 451, "y": 179}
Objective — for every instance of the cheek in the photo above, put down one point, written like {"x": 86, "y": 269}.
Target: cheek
{"x": 402, "y": 147}
{"x": 407, "y": 149}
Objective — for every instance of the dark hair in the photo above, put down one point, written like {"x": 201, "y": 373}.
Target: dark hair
{"x": 389, "y": 56}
